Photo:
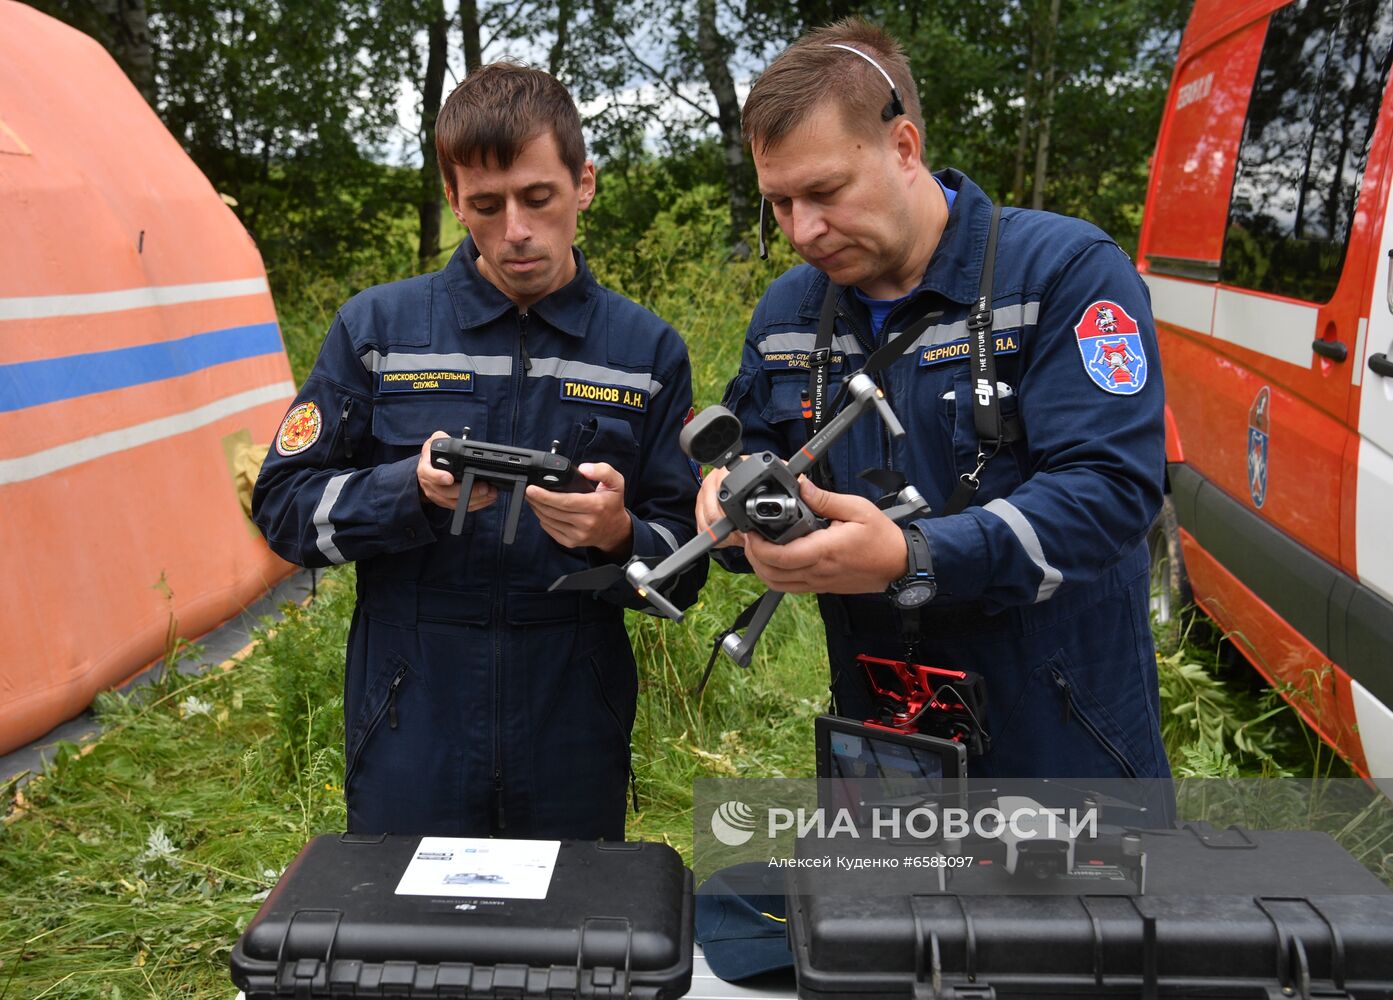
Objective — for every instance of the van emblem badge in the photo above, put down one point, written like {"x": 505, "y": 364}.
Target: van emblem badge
{"x": 1258, "y": 425}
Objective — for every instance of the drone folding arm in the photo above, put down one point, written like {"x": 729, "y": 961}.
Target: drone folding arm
{"x": 645, "y": 579}
{"x": 909, "y": 503}
{"x": 740, "y": 649}
{"x": 864, "y": 394}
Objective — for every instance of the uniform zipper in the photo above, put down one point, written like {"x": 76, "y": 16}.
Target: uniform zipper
{"x": 614, "y": 716}
{"x": 1070, "y": 709}
{"x": 390, "y": 709}
{"x": 523, "y": 364}
{"x": 1068, "y": 694}
{"x": 522, "y": 342}
{"x": 343, "y": 428}
{"x": 392, "y": 699}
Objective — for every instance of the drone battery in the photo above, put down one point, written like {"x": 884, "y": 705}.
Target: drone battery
{"x": 1234, "y": 913}
{"x": 397, "y": 916}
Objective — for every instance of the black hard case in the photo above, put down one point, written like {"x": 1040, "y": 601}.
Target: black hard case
{"x": 616, "y": 922}
{"x": 1226, "y": 914}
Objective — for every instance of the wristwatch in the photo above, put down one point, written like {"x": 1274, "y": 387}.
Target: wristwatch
{"x": 917, "y": 587}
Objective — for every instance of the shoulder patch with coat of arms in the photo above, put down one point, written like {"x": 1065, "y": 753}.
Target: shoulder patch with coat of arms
{"x": 299, "y": 429}
{"x": 1111, "y": 346}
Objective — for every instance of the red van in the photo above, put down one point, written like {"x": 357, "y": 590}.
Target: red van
{"x": 1266, "y": 245}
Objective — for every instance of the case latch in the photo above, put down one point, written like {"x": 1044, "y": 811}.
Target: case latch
{"x": 928, "y": 955}
{"x": 607, "y": 980}
{"x": 307, "y": 951}
{"x": 1293, "y": 961}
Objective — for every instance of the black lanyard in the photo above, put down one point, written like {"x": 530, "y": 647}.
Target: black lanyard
{"x": 986, "y": 408}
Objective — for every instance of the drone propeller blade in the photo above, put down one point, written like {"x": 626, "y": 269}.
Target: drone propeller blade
{"x": 888, "y": 481}
{"x": 599, "y": 578}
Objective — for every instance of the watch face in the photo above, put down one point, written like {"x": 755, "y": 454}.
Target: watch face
{"x": 916, "y": 594}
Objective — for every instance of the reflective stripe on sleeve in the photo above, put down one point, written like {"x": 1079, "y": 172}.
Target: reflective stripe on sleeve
{"x": 323, "y": 524}
{"x": 663, "y": 533}
{"x": 1030, "y": 542}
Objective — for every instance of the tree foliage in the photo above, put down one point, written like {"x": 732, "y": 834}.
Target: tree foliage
{"x": 994, "y": 84}
{"x": 287, "y": 106}
{"x": 290, "y": 106}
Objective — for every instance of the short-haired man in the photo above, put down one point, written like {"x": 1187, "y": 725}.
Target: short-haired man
{"x": 475, "y": 702}
{"x": 1038, "y": 579}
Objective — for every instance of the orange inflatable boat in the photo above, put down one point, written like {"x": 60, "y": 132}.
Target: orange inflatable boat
{"x": 139, "y": 352}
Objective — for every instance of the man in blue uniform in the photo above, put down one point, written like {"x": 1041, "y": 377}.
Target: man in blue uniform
{"x": 475, "y": 702}
{"x": 1037, "y": 579}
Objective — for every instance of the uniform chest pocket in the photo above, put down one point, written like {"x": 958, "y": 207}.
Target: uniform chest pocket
{"x": 402, "y": 425}
{"x": 605, "y": 439}
{"x": 785, "y": 399}
{"x": 846, "y": 458}
{"x": 1009, "y": 468}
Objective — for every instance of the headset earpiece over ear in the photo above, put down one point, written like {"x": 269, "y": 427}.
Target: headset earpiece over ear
{"x": 896, "y": 106}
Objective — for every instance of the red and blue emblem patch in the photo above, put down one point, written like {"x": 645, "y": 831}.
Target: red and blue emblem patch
{"x": 1111, "y": 347}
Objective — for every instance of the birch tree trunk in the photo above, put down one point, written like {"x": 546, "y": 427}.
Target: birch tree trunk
{"x": 714, "y": 53}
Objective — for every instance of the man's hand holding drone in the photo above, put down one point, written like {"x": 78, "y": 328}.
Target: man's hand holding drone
{"x": 859, "y": 552}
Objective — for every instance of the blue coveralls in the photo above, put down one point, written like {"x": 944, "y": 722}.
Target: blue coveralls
{"x": 475, "y": 702}
{"x": 1043, "y": 582}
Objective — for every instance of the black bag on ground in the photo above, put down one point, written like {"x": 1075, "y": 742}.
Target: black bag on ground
{"x": 615, "y": 921}
{"x": 1225, "y": 914}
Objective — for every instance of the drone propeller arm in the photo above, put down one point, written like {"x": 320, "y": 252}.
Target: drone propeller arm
{"x": 702, "y": 543}
{"x": 911, "y": 504}
{"x": 645, "y": 581}
{"x": 741, "y": 648}
{"x": 864, "y": 393}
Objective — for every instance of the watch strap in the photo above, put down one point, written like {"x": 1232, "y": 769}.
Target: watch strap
{"x": 920, "y": 557}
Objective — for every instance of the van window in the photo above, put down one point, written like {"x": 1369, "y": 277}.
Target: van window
{"x": 1188, "y": 207}
{"x": 1305, "y": 144}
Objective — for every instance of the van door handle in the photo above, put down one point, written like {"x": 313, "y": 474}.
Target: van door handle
{"x": 1333, "y": 349}
{"x": 1380, "y": 365}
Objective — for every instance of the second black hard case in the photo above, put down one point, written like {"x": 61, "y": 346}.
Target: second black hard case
{"x": 1226, "y": 914}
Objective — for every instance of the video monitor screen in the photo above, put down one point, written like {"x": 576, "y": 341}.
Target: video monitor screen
{"x": 855, "y": 756}
{"x": 870, "y": 767}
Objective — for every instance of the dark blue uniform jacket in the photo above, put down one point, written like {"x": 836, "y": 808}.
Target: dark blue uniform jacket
{"x": 1043, "y": 583}
{"x": 474, "y": 701}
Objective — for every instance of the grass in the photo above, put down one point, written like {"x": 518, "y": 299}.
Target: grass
{"x": 130, "y": 868}
{"x": 134, "y": 863}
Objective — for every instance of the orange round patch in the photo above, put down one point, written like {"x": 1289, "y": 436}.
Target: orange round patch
{"x": 300, "y": 429}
